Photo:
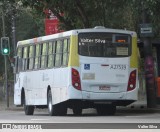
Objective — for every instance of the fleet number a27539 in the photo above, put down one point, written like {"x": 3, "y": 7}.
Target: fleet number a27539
{"x": 120, "y": 67}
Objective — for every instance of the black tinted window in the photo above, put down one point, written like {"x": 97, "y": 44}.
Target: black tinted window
{"x": 104, "y": 44}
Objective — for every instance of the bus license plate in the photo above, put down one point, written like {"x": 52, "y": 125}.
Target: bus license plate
{"x": 105, "y": 88}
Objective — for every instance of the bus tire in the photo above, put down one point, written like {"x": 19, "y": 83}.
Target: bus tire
{"x": 77, "y": 111}
{"x": 106, "y": 109}
{"x": 111, "y": 110}
{"x": 60, "y": 109}
{"x": 49, "y": 103}
{"x": 55, "y": 110}
{"x": 101, "y": 110}
{"x": 28, "y": 109}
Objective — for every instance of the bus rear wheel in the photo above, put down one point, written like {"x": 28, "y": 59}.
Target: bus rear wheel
{"x": 106, "y": 109}
{"x": 77, "y": 111}
{"x": 28, "y": 109}
{"x": 58, "y": 109}
{"x": 49, "y": 103}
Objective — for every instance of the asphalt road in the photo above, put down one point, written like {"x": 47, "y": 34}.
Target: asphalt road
{"x": 123, "y": 119}
{"x": 88, "y": 116}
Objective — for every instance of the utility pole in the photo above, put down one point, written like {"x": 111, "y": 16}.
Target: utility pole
{"x": 146, "y": 33}
{"x": 14, "y": 37}
{"x": 5, "y": 57}
{"x": 13, "y": 33}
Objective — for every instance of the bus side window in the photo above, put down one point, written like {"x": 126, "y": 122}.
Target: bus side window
{"x": 65, "y": 52}
{"x": 50, "y": 55}
{"x": 58, "y": 58}
{"x": 36, "y": 62}
{"x": 43, "y": 55}
{"x": 31, "y": 59}
{"x": 18, "y": 62}
{"x": 19, "y": 52}
{"x": 54, "y": 52}
{"x": 25, "y": 57}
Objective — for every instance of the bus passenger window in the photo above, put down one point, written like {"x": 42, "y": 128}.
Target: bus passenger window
{"x": 36, "y": 63}
{"x": 19, "y": 52}
{"x": 65, "y": 53}
{"x": 18, "y": 62}
{"x": 54, "y": 52}
{"x": 31, "y": 59}
{"x": 43, "y": 55}
{"x": 58, "y": 58}
{"x": 50, "y": 55}
{"x": 25, "y": 58}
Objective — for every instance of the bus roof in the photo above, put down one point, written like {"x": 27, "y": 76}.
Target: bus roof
{"x": 74, "y": 32}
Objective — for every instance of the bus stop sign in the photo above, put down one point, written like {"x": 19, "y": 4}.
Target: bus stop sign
{"x": 146, "y": 30}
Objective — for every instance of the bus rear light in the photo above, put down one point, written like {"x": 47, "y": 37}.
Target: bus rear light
{"x": 76, "y": 83}
{"x": 132, "y": 81}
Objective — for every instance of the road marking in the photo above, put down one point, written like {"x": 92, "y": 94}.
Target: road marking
{"x": 39, "y": 119}
{"x": 135, "y": 116}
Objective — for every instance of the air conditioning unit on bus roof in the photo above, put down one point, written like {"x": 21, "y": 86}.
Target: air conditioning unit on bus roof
{"x": 99, "y": 27}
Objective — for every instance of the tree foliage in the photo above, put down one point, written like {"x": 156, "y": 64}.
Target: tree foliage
{"x": 82, "y": 14}
{"x": 108, "y": 13}
{"x": 152, "y": 9}
{"x": 27, "y": 26}
{"x": 75, "y": 14}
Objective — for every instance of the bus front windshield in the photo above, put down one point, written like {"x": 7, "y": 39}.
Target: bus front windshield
{"x": 104, "y": 44}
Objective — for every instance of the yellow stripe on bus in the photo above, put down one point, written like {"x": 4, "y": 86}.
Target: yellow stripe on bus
{"x": 73, "y": 56}
{"x": 134, "y": 55}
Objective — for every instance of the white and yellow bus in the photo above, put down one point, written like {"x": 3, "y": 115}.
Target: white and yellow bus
{"x": 77, "y": 69}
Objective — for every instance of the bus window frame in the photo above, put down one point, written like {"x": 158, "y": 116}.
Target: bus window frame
{"x": 37, "y": 53}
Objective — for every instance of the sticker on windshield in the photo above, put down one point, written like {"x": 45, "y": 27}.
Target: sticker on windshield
{"x": 86, "y": 66}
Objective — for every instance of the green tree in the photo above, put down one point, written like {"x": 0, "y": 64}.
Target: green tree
{"x": 82, "y": 14}
{"x": 89, "y": 13}
{"x": 152, "y": 9}
{"x": 74, "y": 14}
{"x": 28, "y": 26}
